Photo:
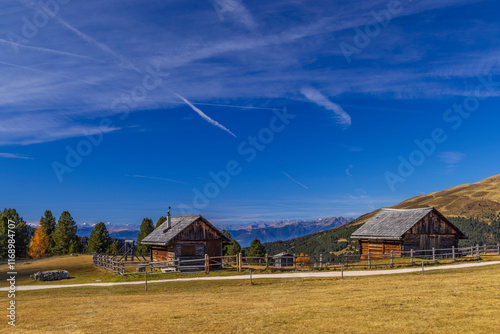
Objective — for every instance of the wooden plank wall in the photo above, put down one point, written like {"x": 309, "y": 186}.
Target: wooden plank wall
{"x": 379, "y": 247}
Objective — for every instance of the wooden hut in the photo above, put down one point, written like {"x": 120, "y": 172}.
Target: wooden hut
{"x": 185, "y": 237}
{"x": 283, "y": 260}
{"x": 399, "y": 230}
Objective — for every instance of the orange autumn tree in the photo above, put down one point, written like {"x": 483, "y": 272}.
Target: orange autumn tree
{"x": 39, "y": 244}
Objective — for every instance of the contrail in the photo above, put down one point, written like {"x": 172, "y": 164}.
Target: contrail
{"x": 36, "y": 48}
{"x": 156, "y": 178}
{"x": 205, "y": 117}
{"x": 291, "y": 178}
{"x": 318, "y": 98}
{"x": 102, "y": 46}
{"x": 50, "y": 73}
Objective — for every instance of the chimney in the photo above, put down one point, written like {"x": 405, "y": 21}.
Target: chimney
{"x": 169, "y": 219}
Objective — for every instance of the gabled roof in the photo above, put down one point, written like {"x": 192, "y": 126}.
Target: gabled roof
{"x": 283, "y": 254}
{"x": 162, "y": 235}
{"x": 392, "y": 224}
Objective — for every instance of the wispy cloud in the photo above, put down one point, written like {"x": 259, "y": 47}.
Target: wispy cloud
{"x": 40, "y": 49}
{"x": 156, "y": 178}
{"x": 236, "y": 10}
{"x": 14, "y": 156}
{"x": 291, "y": 178}
{"x": 204, "y": 116}
{"x": 123, "y": 61}
{"x": 451, "y": 157}
{"x": 315, "y": 96}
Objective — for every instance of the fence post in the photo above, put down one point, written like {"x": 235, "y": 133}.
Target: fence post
{"x": 392, "y": 259}
{"x": 471, "y": 251}
{"x": 238, "y": 262}
{"x": 453, "y": 252}
{"x": 422, "y": 267}
{"x": 369, "y": 261}
{"x": 485, "y": 249}
{"x": 321, "y": 261}
{"x": 207, "y": 264}
{"x": 498, "y": 248}
{"x": 477, "y": 250}
{"x": 123, "y": 268}
{"x": 267, "y": 261}
{"x": 433, "y": 254}
{"x": 411, "y": 256}
{"x": 294, "y": 262}
{"x": 342, "y": 270}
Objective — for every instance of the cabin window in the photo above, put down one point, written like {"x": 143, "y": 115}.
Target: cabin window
{"x": 188, "y": 250}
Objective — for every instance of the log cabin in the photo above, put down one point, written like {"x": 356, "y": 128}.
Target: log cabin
{"x": 185, "y": 237}
{"x": 399, "y": 230}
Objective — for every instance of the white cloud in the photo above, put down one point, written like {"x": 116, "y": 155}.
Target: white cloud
{"x": 236, "y": 10}
{"x": 13, "y": 156}
{"x": 451, "y": 157}
{"x": 315, "y": 96}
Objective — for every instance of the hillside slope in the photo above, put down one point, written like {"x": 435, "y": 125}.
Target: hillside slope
{"x": 474, "y": 208}
{"x": 480, "y": 200}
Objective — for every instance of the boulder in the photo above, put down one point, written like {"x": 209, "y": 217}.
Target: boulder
{"x": 52, "y": 275}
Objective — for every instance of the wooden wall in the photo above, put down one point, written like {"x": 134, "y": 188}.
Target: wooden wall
{"x": 162, "y": 253}
{"x": 379, "y": 247}
{"x": 431, "y": 232}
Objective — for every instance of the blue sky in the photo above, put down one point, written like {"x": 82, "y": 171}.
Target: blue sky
{"x": 115, "y": 110}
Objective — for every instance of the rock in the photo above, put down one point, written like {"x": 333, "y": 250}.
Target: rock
{"x": 52, "y": 275}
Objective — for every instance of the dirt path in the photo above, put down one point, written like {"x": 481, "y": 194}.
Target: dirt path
{"x": 256, "y": 276}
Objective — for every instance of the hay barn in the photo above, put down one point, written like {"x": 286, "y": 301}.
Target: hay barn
{"x": 399, "y": 230}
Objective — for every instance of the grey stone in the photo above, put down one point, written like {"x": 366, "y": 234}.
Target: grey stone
{"x": 52, "y": 275}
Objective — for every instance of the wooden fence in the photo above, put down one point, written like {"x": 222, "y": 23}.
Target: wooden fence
{"x": 240, "y": 263}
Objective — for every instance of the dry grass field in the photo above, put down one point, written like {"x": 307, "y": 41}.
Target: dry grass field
{"x": 454, "y": 301}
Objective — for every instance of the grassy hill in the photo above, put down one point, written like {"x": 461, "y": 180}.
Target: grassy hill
{"x": 474, "y": 208}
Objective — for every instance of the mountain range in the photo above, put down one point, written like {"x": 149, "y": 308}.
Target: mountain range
{"x": 281, "y": 229}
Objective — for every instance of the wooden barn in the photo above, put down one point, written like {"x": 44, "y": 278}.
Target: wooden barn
{"x": 184, "y": 237}
{"x": 399, "y": 230}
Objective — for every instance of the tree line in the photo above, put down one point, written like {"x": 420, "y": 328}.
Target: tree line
{"x": 58, "y": 237}
{"x": 52, "y": 237}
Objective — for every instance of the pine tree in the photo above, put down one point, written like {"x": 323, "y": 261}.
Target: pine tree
{"x": 257, "y": 249}
{"x": 21, "y": 233}
{"x": 48, "y": 222}
{"x": 231, "y": 248}
{"x": 160, "y": 221}
{"x": 146, "y": 228}
{"x": 115, "y": 247}
{"x": 99, "y": 240}
{"x": 65, "y": 238}
{"x": 39, "y": 244}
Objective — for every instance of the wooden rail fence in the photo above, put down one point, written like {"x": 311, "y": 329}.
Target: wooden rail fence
{"x": 240, "y": 263}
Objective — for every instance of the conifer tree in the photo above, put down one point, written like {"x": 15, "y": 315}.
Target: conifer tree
{"x": 65, "y": 238}
{"x": 21, "y": 235}
{"x": 48, "y": 222}
{"x": 99, "y": 240}
{"x": 160, "y": 221}
{"x": 146, "y": 228}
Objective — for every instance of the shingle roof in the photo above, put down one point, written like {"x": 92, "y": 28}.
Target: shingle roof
{"x": 162, "y": 235}
{"x": 283, "y": 254}
{"x": 391, "y": 223}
